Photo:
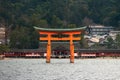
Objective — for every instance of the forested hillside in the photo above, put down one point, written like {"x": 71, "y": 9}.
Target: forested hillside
{"x": 19, "y": 14}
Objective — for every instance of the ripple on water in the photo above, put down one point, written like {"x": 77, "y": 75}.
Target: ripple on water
{"x": 60, "y": 69}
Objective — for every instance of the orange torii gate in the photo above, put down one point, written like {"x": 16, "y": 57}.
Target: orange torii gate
{"x": 49, "y": 35}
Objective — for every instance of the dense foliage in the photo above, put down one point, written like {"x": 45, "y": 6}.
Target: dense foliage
{"x": 4, "y": 48}
{"x": 24, "y": 14}
{"x": 60, "y": 13}
{"x": 24, "y": 38}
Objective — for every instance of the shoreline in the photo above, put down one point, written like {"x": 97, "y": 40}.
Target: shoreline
{"x": 64, "y": 58}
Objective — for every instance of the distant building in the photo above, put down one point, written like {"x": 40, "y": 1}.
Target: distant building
{"x": 2, "y": 35}
{"x": 99, "y": 29}
{"x": 97, "y": 34}
{"x": 113, "y": 34}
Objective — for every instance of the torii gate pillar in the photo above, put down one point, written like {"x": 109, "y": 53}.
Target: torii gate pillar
{"x": 48, "y": 49}
{"x": 71, "y": 49}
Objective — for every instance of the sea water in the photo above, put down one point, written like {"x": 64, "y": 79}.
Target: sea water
{"x": 60, "y": 69}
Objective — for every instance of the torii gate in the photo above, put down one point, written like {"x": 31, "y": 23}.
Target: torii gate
{"x": 49, "y": 37}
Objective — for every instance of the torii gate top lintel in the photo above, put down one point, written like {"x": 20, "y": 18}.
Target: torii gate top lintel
{"x": 59, "y": 30}
{"x": 50, "y": 32}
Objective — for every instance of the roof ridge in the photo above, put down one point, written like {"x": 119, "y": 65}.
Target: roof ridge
{"x": 57, "y": 29}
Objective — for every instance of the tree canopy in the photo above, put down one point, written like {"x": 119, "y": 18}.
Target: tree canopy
{"x": 3, "y": 48}
{"x": 24, "y": 14}
{"x": 60, "y": 13}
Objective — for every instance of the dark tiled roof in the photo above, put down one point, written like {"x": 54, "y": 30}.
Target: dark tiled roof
{"x": 27, "y": 50}
{"x": 96, "y": 50}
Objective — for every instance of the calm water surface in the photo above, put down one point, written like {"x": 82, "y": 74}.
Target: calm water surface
{"x": 60, "y": 69}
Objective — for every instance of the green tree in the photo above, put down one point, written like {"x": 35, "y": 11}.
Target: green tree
{"x": 43, "y": 24}
{"x": 24, "y": 38}
{"x": 56, "y": 22}
{"x": 43, "y": 12}
{"x": 95, "y": 46}
{"x": 4, "y": 48}
{"x": 83, "y": 42}
{"x": 58, "y": 13}
{"x": 110, "y": 43}
{"x": 71, "y": 26}
{"x": 118, "y": 41}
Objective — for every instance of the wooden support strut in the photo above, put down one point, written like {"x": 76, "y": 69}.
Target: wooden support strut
{"x": 48, "y": 56}
{"x": 71, "y": 49}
